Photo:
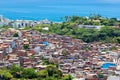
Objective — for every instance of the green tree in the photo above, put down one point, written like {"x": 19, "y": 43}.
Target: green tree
{"x": 118, "y": 39}
{"x": 29, "y": 73}
{"x": 5, "y": 74}
{"x": 42, "y": 74}
{"x": 75, "y": 18}
{"x": 108, "y": 30}
{"x": 113, "y": 48}
{"x": 67, "y": 77}
{"x": 16, "y": 71}
{"x": 53, "y": 71}
{"x": 67, "y": 18}
{"x": 26, "y": 46}
{"x": 112, "y": 22}
{"x": 16, "y": 35}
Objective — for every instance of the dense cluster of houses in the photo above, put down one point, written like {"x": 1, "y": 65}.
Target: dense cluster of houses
{"x": 81, "y": 60}
{"x": 4, "y": 21}
{"x": 21, "y": 23}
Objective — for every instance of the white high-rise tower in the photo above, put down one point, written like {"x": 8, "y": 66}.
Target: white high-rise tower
{"x": 1, "y": 18}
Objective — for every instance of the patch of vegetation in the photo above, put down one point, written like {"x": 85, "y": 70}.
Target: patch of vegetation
{"x": 113, "y": 48}
{"x": 16, "y": 35}
{"x": 107, "y": 34}
{"x": 26, "y": 46}
{"x": 51, "y": 72}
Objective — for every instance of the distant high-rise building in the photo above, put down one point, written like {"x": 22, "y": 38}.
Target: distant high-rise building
{"x": 1, "y": 18}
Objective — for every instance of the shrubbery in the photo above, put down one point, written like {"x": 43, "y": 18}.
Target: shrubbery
{"x": 51, "y": 72}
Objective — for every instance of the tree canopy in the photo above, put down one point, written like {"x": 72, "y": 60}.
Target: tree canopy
{"x": 108, "y": 33}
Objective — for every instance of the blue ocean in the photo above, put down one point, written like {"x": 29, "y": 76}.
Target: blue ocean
{"x": 55, "y": 10}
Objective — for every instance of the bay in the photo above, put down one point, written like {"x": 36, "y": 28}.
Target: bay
{"x": 54, "y": 12}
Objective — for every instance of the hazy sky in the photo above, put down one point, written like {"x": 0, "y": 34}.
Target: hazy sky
{"x": 34, "y": 3}
{"x": 61, "y": 1}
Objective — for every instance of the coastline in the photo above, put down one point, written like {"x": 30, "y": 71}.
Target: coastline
{"x": 57, "y": 20}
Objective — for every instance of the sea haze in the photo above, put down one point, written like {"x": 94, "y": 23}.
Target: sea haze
{"x": 54, "y": 10}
